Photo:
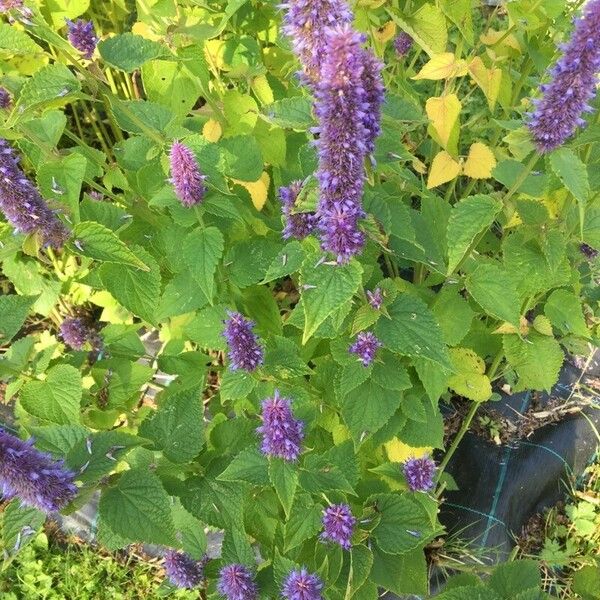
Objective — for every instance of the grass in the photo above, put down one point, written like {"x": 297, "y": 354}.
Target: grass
{"x": 51, "y": 570}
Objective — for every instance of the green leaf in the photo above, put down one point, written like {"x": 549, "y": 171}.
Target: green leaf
{"x": 177, "y": 426}
{"x": 586, "y": 582}
{"x": 412, "y": 330}
{"x": 206, "y": 329}
{"x": 189, "y": 531}
{"x": 58, "y": 439}
{"x": 19, "y": 526}
{"x": 241, "y": 112}
{"x": 50, "y": 83}
{"x": 326, "y": 288}
{"x": 537, "y": 360}
{"x": 563, "y": 308}
{"x": 468, "y": 218}
{"x": 137, "y": 290}
{"x": 128, "y": 51}
{"x": 469, "y": 592}
{"x": 236, "y": 549}
{"x": 494, "y": 290}
{"x": 138, "y": 508}
{"x": 361, "y": 561}
{"x": 401, "y": 574}
{"x": 290, "y": 113}
{"x": 138, "y": 116}
{"x": 304, "y": 521}
{"x": 202, "y": 250}
{"x": 241, "y": 158}
{"x": 236, "y": 384}
{"x": 59, "y": 10}
{"x": 453, "y": 313}
{"x": 511, "y": 578}
{"x": 15, "y": 42}
{"x": 572, "y": 172}
{"x": 13, "y": 312}
{"x": 289, "y": 260}
{"x": 404, "y": 523}
{"x": 57, "y": 398}
{"x": 367, "y": 408}
{"x": 284, "y": 478}
{"x": 96, "y": 241}
{"x": 249, "y": 465}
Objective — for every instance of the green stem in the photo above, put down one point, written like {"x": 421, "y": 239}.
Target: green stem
{"x": 458, "y": 438}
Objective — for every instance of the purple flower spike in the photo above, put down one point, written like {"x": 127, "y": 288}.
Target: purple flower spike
{"x": 338, "y": 524}
{"x": 186, "y": 176}
{"x": 306, "y": 22}
{"x": 365, "y": 347}
{"x": 589, "y": 252}
{"x": 342, "y": 104}
{"x": 297, "y": 225}
{"x": 244, "y": 350}
{"x": 6, "y": 5}
{"x": 76, "y": 331}
{"x": 183, "y": 571}
{"x": 32, "y": 476}
{"x": 373, "y": 84}
{"x": 236, "y": 582}
{"x": 574, "y": 79}
{"x": 82, "y": 37}
{"x": 282, "y": 433}
{"x": 375, "y": 298}
{"x": 302, "y": 585}
{"x": 419, "y": 474}
{"x": 22, "y": 204}
{"x": 5, "y": 98}
{"x": 402, "y": 44}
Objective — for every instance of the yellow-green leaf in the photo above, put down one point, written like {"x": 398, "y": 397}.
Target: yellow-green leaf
{"x": 469, "y": 380}
{"x": 480, "y": 162}
{"x": 442, "y": 66}
{"x": 443, "y": 169}
{"x": 443, "y": 113}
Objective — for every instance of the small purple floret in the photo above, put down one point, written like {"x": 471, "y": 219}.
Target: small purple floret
{"x": 365, "y": 347}
{"x": 338, "y": 525}
{"x": 302, "y": 585}
{"x": 32, "y": 476}
{"x": 76, "y": 331}
{"x": 282, "y": 433}
{"x": 5, "y": 98}
{"x": 22, "y": 204}
{"x": 82, "y": 37}
{"x": 589, "y": 252}
{"x": 185, "y": 175}
{"x": 183, "y": 571}
{"x": 6, "y": 5}
{"x": 375, "y": 298}
{"x": 402, "y": 44}
{"x": 374, "y": 88}
{"x": 297, "y": 225}
{"x": 245, "y": 352}
{"x": 558, "y": 113}
{"x": 236, "y": 582}
{"x": 419, "y": 473}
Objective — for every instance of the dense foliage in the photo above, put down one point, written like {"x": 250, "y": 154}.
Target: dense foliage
{"x": 248, "y": 252}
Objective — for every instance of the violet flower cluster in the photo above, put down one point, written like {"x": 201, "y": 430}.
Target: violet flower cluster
{"x": 282, "y": 433}
{"x": 338, "y": 525}
{"x": 22, "y": 204}
{"x": 32, "y": 476}
{"x": 245, "y": 352}
{"x": 297, "y": 225}
{"x": 402, "y": 44}
{"x": 236, "y": 582}
{"x": 306, "y": 23}
{"x": 183, "y": 571}
{"x": 589, "y": 252}
{"x": 82, "y": 37}
{"x": 419, "y": 473}
{"x": 365, "y": 347}
{"x": 302, "y": 585}
{"x": 375, "y": 298}
{"x": 559, "y": 111}
{"x": 5, "y": 98}
{"x": 76, "y": 331}
{"x": 185, "y": 175}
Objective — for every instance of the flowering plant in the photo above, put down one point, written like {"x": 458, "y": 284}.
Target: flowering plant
{"x": 249, "y": 250}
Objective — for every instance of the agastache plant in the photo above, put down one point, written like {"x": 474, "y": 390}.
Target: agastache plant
{"x": 76, "y": 331}
{"x": 338, "y": 525}
{"x": 185, "y": 175}
{"x": 5, "y": 98}
{"x": 282, "y": 434}
{"x": 22, "y": 204}
{"x": 566, "y": 97}
{"x": 33, "y": 477}
{"x": 82, "y": 37}
{"x": 183, "y": 571}
{"x": 302, "y": 585}
{"x": 236, "y": 582}
{"x": 419, "y": 473}
{"x": 402, "y": 44}
{"x": 297, "y": 225}
{"x": 365, "y": 347}
{"x": 245, "y": 351}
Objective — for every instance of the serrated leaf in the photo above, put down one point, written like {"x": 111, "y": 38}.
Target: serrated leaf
{"x": 468, "y": 218}
{"x": 326, "y": 288}
{"x": 284, "y": 477}
{"x": 13, "y": 312}
{"x": 138, "y": 508}
{"x": 494, "y": 290}
{"x": 442, "y": 66}
{"x": 128, "y": 52}
{"x": 572, "y": 172}
{"x": 96, "y": 241}
{"x": 304, "y": 522}
{"x": 50, "y": 83}
{"x": 401, "y": 574}
{"x": 241, "y": 158}
{"x": 443, "y": 169}
{"x": 236, "y": 384}
{"x": 290, "y": 113}
{"x": 57, "y": 398}
{"x": 563, "y": 308}
{"x": 469, "y": 379}
{"x": 412, "y": 330}
{"x": 202, "y": 250}
{"x": 537, "y": 360}
{"x": 512, "y": 578}
{"x": 16, "y": 42}
{"x": 289, "y": 260}
{"x": 443, "y": 113}
{"x": 249, "y": 465}
{"x": 236, "y": 549}
{"x": 177, "y": 426}
{"x": 58, "y": 439}
{"x": 19, "y": 526}
{"x": 480, "y": 162}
